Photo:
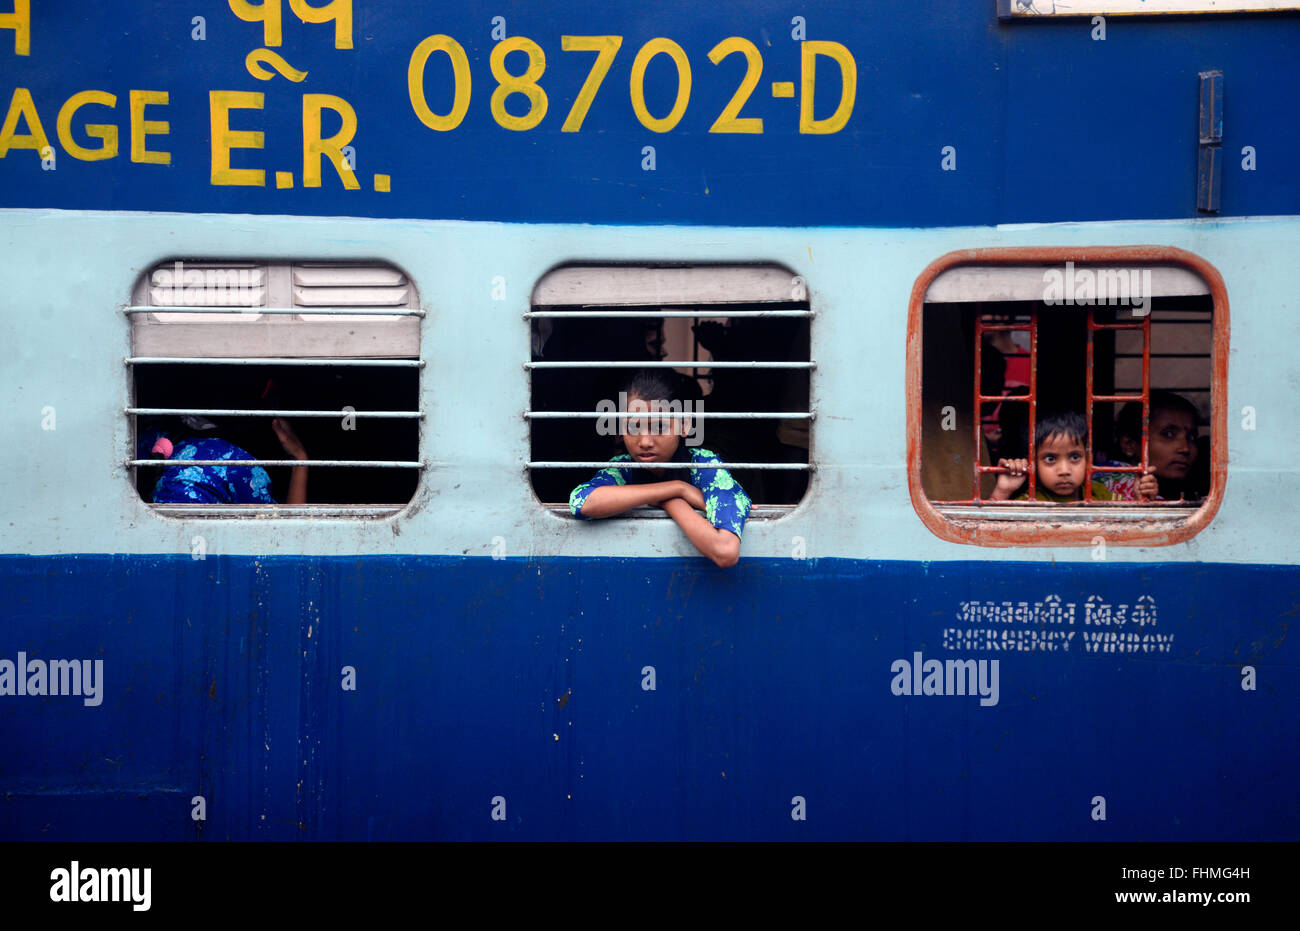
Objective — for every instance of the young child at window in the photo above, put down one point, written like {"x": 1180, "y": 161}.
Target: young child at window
{"x": 1172, "y": 450}
{"x": 1061, "y": 442}
{"x": 654, "y": 439}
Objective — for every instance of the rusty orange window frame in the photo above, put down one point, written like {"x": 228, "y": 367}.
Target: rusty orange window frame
{"x": 1040, "y": 531}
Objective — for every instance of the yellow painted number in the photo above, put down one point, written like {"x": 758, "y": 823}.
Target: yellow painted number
{"x": 442, "y": 122}
{"x": 605, "y": 47}
{"x": 730, "y": 120}
{"x": 525, "y": 83}
{"x": 640, "y": 63}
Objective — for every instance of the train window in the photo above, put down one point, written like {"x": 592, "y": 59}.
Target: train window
{"x": 1067, "y": 397}
{"x": 738, "y": 335}
{"x": 309, "y": 369}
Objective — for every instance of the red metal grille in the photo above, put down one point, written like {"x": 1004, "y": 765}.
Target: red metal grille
{"x": 1144, "y": 397}
{"x": 1031, "y": 400}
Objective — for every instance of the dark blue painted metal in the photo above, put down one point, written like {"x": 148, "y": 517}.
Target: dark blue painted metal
{"x": 1049, "y": 125}
{"x": 222, "y": 679}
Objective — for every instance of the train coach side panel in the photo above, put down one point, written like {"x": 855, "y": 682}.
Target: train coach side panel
{"x": 404, "y": 698}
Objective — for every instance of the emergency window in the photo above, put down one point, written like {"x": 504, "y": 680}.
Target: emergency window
{"x": 739, "y": 334}
{"x": 222, "y": 349}
{"x": 1112, "y": 344}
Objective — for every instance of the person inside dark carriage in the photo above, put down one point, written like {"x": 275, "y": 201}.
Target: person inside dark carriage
{"x": 760, "y": 389}
{"x": 1173, "y": 447}
{"x": 195, "y": 437}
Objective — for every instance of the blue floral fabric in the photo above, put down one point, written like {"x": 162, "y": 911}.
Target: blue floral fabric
{"x": 212, "y": 484}
{"x": 725, "y": 503}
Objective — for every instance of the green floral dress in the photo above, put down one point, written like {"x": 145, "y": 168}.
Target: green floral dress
{"x": 725, "y": 503}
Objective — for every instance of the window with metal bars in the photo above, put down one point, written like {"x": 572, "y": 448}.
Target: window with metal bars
{"x": 740, "y": 334}
{"x": 221, "y": 349}
{"x": 1125, "y": 339}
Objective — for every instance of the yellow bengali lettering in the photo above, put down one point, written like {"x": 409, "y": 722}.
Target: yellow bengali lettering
{"x": 338, "y": 10}
{"x": 267, "y": 13}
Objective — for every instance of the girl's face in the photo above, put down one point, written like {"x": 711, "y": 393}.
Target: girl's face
{"x": 1173, "y": 444}
{"x": 650, "y": 438}
{"x": 1061, "y": 464}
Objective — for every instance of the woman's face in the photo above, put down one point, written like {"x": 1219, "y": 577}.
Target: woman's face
{"x": 1173, "y": 444}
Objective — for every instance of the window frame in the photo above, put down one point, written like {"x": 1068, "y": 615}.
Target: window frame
{"x": 676, "y": 307}
{"x": 1008, "y": 10}
{"x": 306, "y": 315}
{"x": 1038, "y": 529}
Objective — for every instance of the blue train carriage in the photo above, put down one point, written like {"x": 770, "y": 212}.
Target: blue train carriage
{"x": 883, "y": 248}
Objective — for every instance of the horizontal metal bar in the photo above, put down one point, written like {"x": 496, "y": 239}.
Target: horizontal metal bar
{"x": 1092, "y": 325}
{"x": 684, "y": 364}
{"x": 709, "y": 312}
{"x": 1204, "y": 390}
{"x": 720, "y": 415}
{"x": 304, "y": 311}
{"x": 994, "y": 327}
{"x": 268, "y": 510}
{"x": 756, "y": 511}
{"x": 1023, "y": 511}
{"x": 198, "y": 360}
{"x": 1164, "y": 355}
{"x": 791, "y": 466}
{"x": 239, "y": 412}
{"x": 999, "y": 470}
{"x": 1041, "y": 506}
{"x": 356, "y": 463}
{"x": 1116, "y": 397}
{"x": 998, "y": 398}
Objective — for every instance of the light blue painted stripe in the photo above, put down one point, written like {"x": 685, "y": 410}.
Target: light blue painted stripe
{"x": 66, "y": 339}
